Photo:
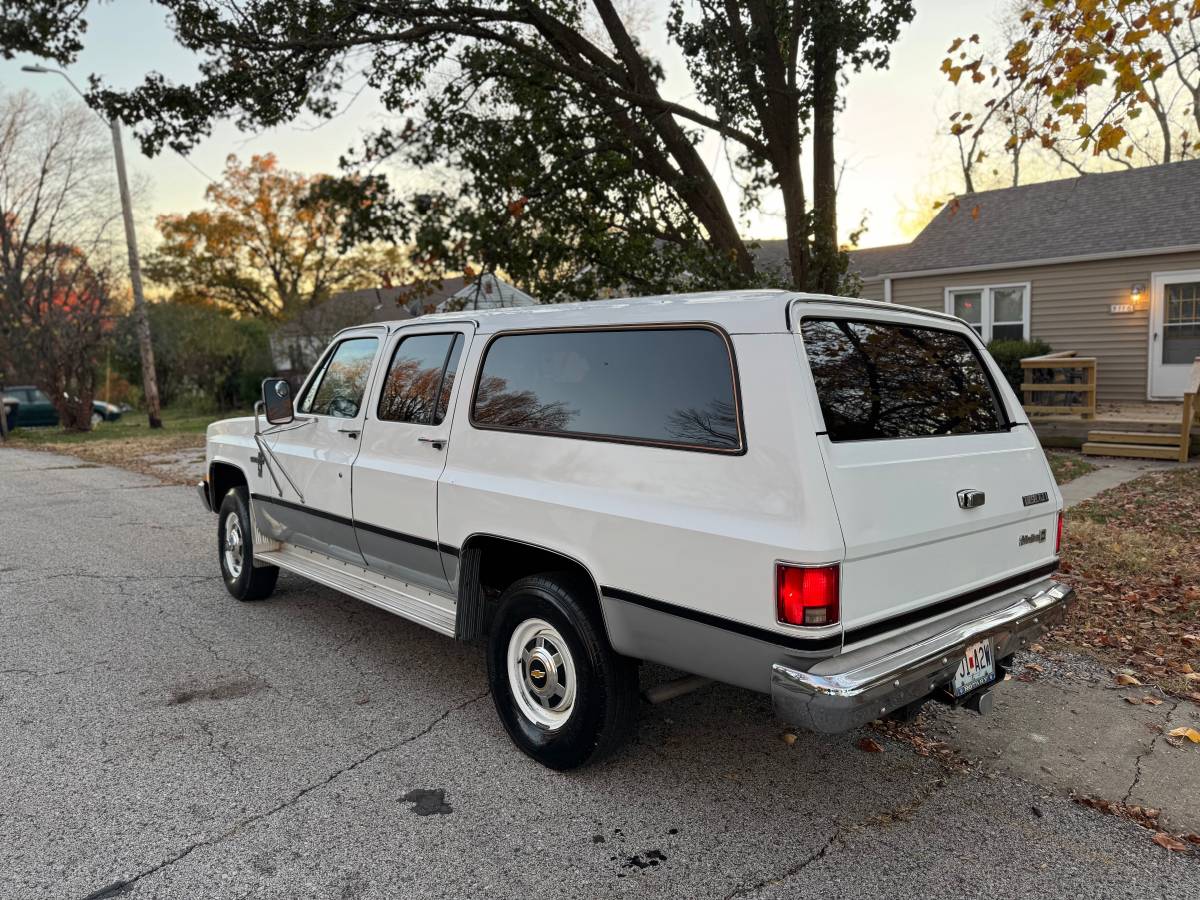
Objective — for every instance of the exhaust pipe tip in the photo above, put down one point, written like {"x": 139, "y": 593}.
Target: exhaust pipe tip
{"x": 982, "y": 703}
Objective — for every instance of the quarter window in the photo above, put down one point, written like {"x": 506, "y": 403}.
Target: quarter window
{"x": 881, "y": 380}
{"x": 420, "y": 378}
{"x": 338, "y": 389}
{"x": 672, "y": 386}
{"x": 996, "y": 313}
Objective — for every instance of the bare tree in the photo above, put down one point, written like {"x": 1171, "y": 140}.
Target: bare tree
{"x": 57, "y": 230}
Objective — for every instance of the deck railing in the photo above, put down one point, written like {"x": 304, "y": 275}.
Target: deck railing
{"x": 1191, "y": 410}
{"x": 1059, "y": 383}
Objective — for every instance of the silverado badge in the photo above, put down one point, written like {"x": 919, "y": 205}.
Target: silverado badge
{"x": 1038, "y": 537}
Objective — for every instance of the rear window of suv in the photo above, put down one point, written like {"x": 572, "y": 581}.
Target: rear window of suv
{"x": 880, "y": 380}
{"x": 670, "y": 386}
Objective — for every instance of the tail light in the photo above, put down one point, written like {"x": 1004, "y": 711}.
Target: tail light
{"x": 1058, "y": 534}
{"x": 806, "y": 595}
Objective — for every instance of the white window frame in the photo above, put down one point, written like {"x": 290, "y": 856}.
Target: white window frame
{"x": 985, "y": 314}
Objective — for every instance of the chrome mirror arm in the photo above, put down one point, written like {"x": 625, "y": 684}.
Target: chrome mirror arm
{"x": 268, "y": 456}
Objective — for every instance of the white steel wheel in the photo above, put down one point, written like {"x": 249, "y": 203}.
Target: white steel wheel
{"x": 233, "y": 551}
{"x": 541, "y": 674}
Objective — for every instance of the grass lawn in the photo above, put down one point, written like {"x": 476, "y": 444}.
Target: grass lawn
{"x": 1068, "y": 466}
{"x": 131, "y": 426}
{"x": 130, "y": 442}
{"x": 1133, "y": 554}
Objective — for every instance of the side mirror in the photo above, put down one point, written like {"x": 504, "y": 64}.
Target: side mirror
{"x": 277, "y": 401}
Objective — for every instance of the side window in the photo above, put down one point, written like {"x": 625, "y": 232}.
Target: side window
{"x": 419, "y": 379}
{"x": 669, "y": 386}
{"x": 338, "y": 389}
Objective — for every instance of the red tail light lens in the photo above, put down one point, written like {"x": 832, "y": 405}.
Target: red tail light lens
{"x": 807, "y": 596}
{"x": 1058, "y": 535}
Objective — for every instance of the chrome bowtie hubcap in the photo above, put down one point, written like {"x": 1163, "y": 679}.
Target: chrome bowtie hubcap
{"x": 233, "y": 545}
{"x": 541, "y": 673}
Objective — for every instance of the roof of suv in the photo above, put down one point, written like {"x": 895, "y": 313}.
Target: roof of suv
{"x": 739, "y": 312}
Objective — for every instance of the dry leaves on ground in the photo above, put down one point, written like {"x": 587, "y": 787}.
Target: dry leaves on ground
{"x": 1190, "y": 733}
{"x": 1131, "y": 553}
{"x": 1145, "y": 816}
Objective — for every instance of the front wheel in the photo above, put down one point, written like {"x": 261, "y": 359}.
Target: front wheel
{"x": 565, "y": 697}
{"x": 235, "y": 547}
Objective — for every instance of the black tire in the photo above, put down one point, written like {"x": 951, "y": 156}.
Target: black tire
{"x": 603, "y": 714}
{"x": 249, "y": 582}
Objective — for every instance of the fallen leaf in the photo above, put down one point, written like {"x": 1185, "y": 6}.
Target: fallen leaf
{"x": 789, "y": 738}
{"x": 1035, "y": 667}
{"x": 1134, "y": 701}
{"x": 869, "y": 745}
{"x": 1127, "y": 679}
{"x": 1190, "y": 733}
{"x": 1036, "y": 648}
{"x": 1167, "y": 842}
{"x": 1152, "y": 701}
{"x": 1192, "y": 837}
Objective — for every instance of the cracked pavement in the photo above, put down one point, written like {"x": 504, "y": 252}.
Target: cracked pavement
{"x": 162, "y": 740}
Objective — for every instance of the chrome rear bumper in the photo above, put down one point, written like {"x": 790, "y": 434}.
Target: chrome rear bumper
{"x": 831, "y": 699}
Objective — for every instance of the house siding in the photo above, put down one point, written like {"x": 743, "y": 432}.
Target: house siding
{"x": 1069, "y": 309}
{"x": 873, "y": 290}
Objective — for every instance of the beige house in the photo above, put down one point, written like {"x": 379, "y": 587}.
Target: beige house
{"x": 1107, "y": 265}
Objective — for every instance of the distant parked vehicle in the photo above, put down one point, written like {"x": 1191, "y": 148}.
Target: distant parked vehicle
{"x": 36, "y": 410}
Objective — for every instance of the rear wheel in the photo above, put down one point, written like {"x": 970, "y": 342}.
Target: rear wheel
{"x": 565, "y": 697}
{"x": 235, "y": 547}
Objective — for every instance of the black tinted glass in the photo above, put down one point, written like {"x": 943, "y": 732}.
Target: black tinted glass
{"x": 662, "y": 385}
{"x": 338, "y": 391}
{"x": 417, "y": 387}
{"x": 878, "y": 380}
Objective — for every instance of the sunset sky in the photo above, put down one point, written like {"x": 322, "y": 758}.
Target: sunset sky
{"x": 887, "y": 136}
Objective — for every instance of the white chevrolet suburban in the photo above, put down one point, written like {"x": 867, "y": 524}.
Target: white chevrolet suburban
{"x": 837, "y": 502}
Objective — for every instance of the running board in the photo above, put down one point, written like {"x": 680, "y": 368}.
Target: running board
{"x": 405, "y": 600}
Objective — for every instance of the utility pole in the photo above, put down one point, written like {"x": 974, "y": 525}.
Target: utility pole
{"x": 140, "y": 317}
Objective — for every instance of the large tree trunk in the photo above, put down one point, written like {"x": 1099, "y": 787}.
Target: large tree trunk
{"x": 74, "y": 412}
{"x": 795, "y": 216}
{"x": 825, "y": 274}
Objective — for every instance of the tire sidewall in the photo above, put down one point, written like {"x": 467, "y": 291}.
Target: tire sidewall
{"x": 574, "y": 742}
{"x": 234, "y": 502}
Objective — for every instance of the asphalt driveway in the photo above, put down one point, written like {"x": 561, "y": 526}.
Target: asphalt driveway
{"x": 160, "y": 739}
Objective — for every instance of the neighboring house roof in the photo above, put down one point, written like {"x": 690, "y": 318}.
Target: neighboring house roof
{"x": 1146, "y": 210}
{"x": 298, "y": 343}
{"x": 868, "y": 262}
{"x": 1152, "y": 209}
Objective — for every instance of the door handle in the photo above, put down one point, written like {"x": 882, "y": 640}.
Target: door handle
{"x": 435, "y": 443}
{"x": 351, "y": 433}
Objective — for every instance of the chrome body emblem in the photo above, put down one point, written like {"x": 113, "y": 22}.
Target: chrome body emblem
{"x": 1031, "y": 499}
{"x": 969, "y": 499}
{"x": 1038, "y": 537}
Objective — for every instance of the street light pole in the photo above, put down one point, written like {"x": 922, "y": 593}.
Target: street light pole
{"x": 140, "y": 318}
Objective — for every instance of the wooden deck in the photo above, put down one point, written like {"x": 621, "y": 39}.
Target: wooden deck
{"x": 1151, "y": 418}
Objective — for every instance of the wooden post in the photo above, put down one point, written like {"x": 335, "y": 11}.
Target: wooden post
{"x": 1191, "y": 410}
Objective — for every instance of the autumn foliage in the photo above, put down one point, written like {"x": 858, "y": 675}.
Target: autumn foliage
{"x": 1117, "y": 79}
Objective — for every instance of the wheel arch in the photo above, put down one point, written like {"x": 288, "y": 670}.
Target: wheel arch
{"x": 222, "y": 476}
{"x": 489, "y": 563}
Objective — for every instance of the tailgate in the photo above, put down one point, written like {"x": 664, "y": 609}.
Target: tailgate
{"x": 942, "y": 498}
{"x": 910, "y": 545}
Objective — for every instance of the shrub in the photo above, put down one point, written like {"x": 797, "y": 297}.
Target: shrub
{"x": 1008, "y": 355}
{"x": 205, "y": 358}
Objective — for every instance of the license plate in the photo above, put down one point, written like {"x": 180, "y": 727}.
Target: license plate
{"x": 977, "y": 668}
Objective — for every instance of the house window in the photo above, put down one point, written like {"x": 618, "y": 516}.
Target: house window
{"x": 996, "y": 312}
